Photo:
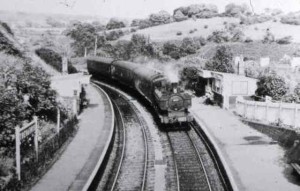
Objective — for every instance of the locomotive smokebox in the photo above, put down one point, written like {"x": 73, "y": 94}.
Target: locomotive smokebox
{"x": 174, "y": 87}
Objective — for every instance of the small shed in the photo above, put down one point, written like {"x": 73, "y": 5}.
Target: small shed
{"x": 227, "y": 87}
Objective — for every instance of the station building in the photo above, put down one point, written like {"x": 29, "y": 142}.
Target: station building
{"x": 70, "y": 88}
{"x": 226, "y": 87}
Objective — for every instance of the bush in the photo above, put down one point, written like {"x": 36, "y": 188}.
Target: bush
{"x": 114, "y": 35}
{"x": 205, "y": 26}
{"x": 291, "y": 18}
{"x": 54, "y": 59}
{"x": 6, "y": 27}
{"x": 201, "y": 41}
{"x": 219, "y": 36}
{"x": 285, "y": 40}
{"x": 198, "y": 11}
{"x": 145, "y": 23}
{"x": 297, "y": 90}
{"x": 160, "y": 18}
{"x": 250, "y": 20}
{"x": 234, "y": 10}
{"x": 248, "y": 40}
{"x": 115, "y": 24}
{"x": 179, "y": 33}
{"x": 269, "y": 37}
{"x": 179, "y": 16}
{"x": 271, "y": 84}
{"x": 290, "y": 98}
{"x": 8, "y": 47}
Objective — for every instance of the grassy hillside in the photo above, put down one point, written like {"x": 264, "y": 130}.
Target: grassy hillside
{"x": 206, "y": 26}
{"x": 253, "y": 50}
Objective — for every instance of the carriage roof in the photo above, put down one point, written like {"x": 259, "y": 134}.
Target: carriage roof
{"x": 102, "y": 60}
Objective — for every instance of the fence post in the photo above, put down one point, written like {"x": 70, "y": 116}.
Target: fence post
{"x": 58, "y": 121}
{"x": 36, "y": 135}
{"x": 245, "y": 108}
{"x": 18, "y": 154}
{"x": 255, "y": 107}
{"x": 267, "y": 110}
{"x": 279, "y": 111}
{"x": 295, "y": 116}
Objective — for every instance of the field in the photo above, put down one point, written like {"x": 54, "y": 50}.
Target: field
{"x": 206, "y": 26}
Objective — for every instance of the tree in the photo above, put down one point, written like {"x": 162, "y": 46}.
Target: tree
{"x": 179, "y": 16}
{"x": 84, "y": 36}
{"x": 115, "y": 24}
{"x": 222, "y": 61}
{"x": 234, "y": 10}
{"x": 297, "y": 90}
{"x": 271, "y": 84}
{"x": 160, "y": 18}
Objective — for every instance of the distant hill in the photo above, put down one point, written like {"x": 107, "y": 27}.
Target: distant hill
{"x": 205, "y": 27}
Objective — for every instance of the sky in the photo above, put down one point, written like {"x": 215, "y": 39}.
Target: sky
{"x": 131, "y": 8}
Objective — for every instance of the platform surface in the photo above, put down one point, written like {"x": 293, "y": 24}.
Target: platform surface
{"x": 78, "y": 160}
{"x": 255, "y": 161}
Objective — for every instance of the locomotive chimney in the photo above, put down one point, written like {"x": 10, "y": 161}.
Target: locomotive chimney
{"x": 175, "y": 87}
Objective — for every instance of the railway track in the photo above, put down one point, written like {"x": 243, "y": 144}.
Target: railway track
{"x": 189, "y": 169}
{"x": 196, "y": 164}
{"x": 130, "y": 170}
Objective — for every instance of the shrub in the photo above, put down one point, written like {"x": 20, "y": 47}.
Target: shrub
{"x": 291, "y": 18}
{"x": 191, "y": 31}
{"x": 271, "y": 84}
{"x": 160, "y": 18}
{"x": 145, "y": 23}
{"x": 115, "y": 24}
{"x": 219, "y": 36}
{"x": 54, "y": 59}
{"x": 6, "y": 27}
{"x": 205, "y": 26}
{"x": 198, "y": 10}
{"x": 114, "y": 35}
{"x": 179, "y": 33}
{"x": 290, "y": 98}
{"x": 297, "y": 90}
{"x": 250, "y": 20}
{"x": 285, "y": 40}
{"x": 133, "y": 30}
{"x": 8, "y": 47}
{"x": 234, "y": 10}
{"x": 179, "y": 16}
{"x": 269, "y": 37}
{"x": 248, "y": 40}
{"x": 201, "y": 41}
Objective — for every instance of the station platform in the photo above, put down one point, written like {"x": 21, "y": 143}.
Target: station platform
{"x": 75, "y": 167}
{"x": 253, "y": 161}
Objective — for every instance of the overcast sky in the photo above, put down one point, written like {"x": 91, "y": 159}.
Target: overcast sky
{"x": 131, "y": 8}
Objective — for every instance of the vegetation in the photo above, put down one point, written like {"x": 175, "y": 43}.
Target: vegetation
{"x": 198, "y": 11}
{"x": 222, "y": 61}
{"x": 84, "y": 36}
{"x": 8, "y": 47}
{"x": 115, "y": 24}
{"x": 291, "y": 18}
{"x": 285, "y": 40}
{"x": 114, "y": 35}
{"x": 234, "y": 10}
{"x": 6, "y": 27}
{"x": 24, "y": 92}
{"x": 54, "y": 59}
{"x": 273, "y": 85}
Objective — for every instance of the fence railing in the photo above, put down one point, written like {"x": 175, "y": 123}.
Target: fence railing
{"x": 283, "y": 113}
{"x": 34, "y": 162}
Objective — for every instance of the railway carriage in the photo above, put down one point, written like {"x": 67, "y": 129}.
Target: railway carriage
{"x": 170, "y": 102}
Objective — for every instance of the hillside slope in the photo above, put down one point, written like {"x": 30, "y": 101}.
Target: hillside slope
{"x": 206, "y": 26}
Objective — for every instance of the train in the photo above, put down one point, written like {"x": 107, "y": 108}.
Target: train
{"x": 169, "y": 100}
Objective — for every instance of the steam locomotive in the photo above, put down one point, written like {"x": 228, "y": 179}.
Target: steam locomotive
{"x": 170, "y": 102}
